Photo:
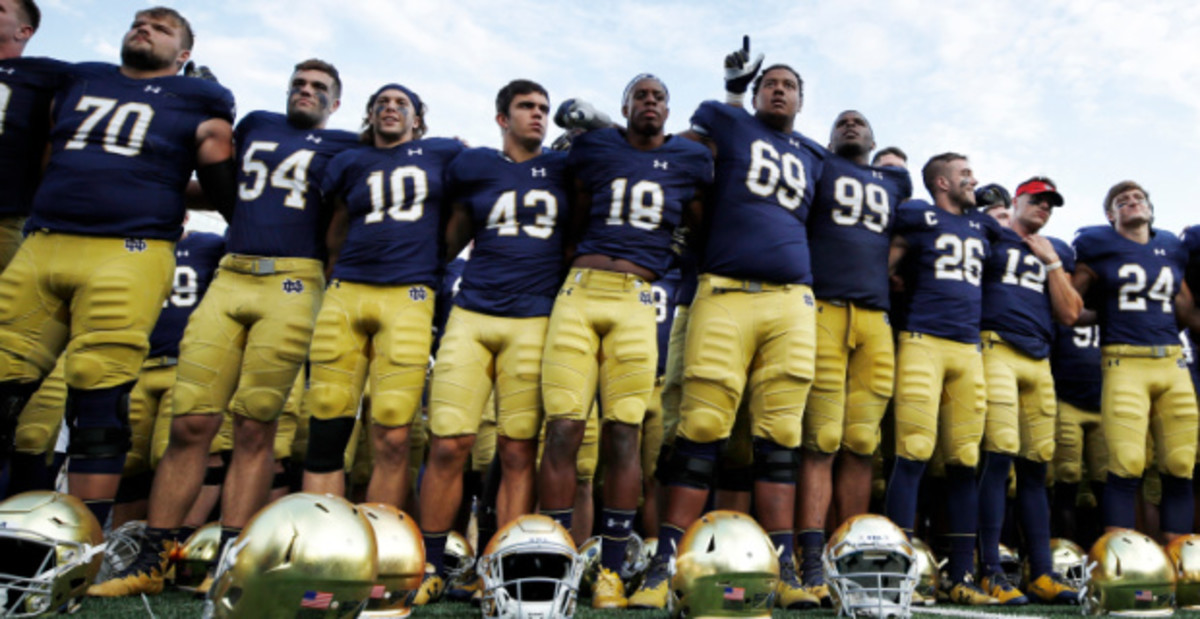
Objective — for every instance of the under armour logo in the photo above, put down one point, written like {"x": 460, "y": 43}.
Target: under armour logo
{"x": 153, "y": 89}
{"x": 877, "y": 174}
{"x": 619, "y": 523}
{"x": 660, "y": 164}
{"x": 293, "y": 286}
{"x": 975, "y": 224}
{"x": 646, "y": 298}
{"x": 417, "y": 293}
{"x": 1160, "y": 252}
{"x": 9, "y": 70}
{"x": 539, "y": 172}
{"x": 183, "y": 253}
{"x": 135, "y": 245}
{"x": 414, "y": 151}
{"x": 794, "y": 142}
{"x": 315, "y": 139}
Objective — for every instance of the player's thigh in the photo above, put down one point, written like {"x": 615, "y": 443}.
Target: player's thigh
{"x": 462, "y": 376}
{"x": 672, "y": 390}
{"x": 338, "y": 361}
{"x": 629, "y": 353}
{"x": 963, "y": 413}
{"x": 1174, "y": 421}
{"x": 278, "y": 342}
{"x": 114, "y": 310}
{"x": 210, "y": 353}
{"x": 401, "y": 354}
{"x": 652, "y": 433}
{"x": 518, "y": 377}
{"x": 291, "y": 418}
{"x": 569, "y": 365}
{"x": 1125, "y": 413}
{"x": 718, "y": 348}
{"x": 871, "y": 379}
{"x": 1038, "y": 407}
{"x": 824, "y": 414}
{"x": 145, "y": 400}
{"x": 1069, "y": 442}
{"x": 1002, "y": 425}
{"x": 920, "y": 372}
{"x": 782, "y": 370}
{"x": 34, "y": 318}
{"x": 40, "y": 420}
{"x": 483, "y": 450}
{"x": 587, "y": 460}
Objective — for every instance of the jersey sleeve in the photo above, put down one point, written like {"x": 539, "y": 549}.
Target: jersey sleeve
{"x": 709, "y": 116}
{"x": 218, "y": 100}
{"x": 1087, "y": 249}
{"x": 910, "y": 217}
{"x": 902, "y": 179}
{"x": 332, "y": 181}
{"x": 1065, "y": 254}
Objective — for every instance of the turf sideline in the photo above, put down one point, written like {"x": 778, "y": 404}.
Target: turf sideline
{"x": 961, "y": 612}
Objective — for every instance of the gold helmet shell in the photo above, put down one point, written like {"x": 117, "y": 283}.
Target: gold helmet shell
{"x": 928, "y": 571}
{"x": 871, "y": 568}
{"x": 725, "y": 566}
{"x": 193, "y": 559}
{"x": 1070, "y": 560}
{"x": 50, "y": 551}
{"x": 1130, "y": 576}
{"x": 401, "y": 560}
{"x": 530, "y": 568}
{"x": 459, "y": 560}
{"x": 1184, "y": 552}
{"x": 590, "y": 553}
{"x": 305, "y": 550}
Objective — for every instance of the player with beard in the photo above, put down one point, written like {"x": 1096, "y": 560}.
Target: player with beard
{"x": 93, "y": 275}
{"x": 849, "y": 230}
{"x": 1134, "y": 275}
{"x": 634, "y": 187}
{"x": 376, "y": 323}
{"x": 940, "y": 395}
{"x": 1026, "y": 289}
{"x": 752, "y": 325}
{"x": 249, "y": 337}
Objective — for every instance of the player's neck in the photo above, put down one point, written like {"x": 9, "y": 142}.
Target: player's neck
{"x": 944, "y": 202}
{"x": 520, "y": 152}
{"x": 642, "y": 141}
{"x": 1016, "y": 226}
{"x": 139, "y": 74}
{"x": 1138, "y": 233}
{"x": 389, "y": 141}
{"x": 782, "y": 124}
{"x": 11, "y": 50}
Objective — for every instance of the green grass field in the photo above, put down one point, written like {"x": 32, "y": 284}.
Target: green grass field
{"x": 174, "y": 605}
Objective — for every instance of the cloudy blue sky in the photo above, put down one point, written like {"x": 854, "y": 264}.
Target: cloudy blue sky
{"x": 1087, "y": 92}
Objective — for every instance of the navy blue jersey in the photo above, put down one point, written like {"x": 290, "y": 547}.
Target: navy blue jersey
{"x": 664, "y": 291}
{"x": 196, "y": 258}
{"x": 517, "y": 214}
{"x": 943, "y": 269}
{"x": 1135, "y": 285}
{"x": 123, "y": 152}
{"x": 763, "y": 188}
{"x": 850, "y": 228}
{"x": 280, "y": 211}
{"x": 395, "y": 200}
{"x": 27, "y": 86}
{"x": 689, "y": 273}
{"x": 1075, "y": 365}
{"x": 1016, "y": 301}
{"x": 638, "y": 197}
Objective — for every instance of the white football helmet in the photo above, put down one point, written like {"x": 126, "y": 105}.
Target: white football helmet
{"x": 871, "y": 568}
{"x": 121, "y": 548}
{"x": 50, "y": 551}
{"x": 530, "y": 570}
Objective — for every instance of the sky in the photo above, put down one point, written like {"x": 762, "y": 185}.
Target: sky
{"x": 1087, "y": 92}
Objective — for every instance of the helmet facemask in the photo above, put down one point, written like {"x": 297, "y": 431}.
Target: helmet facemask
{"x": 531, "y": 579}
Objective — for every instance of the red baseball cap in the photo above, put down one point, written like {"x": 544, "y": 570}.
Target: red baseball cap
{"x": 1035, "y": 186}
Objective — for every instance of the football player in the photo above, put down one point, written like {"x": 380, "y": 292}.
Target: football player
{"x": 634, "y": 187}
{"x": 376, "y": 322}
{"x": 1078, "y": 437}
{"x": 890, "y": 156}
{"x": 940, "y": 395}
{"x": 512, "y": 202}
{"x": 247, "y": 340}
{"x": 1135, "y": 274}
{"x": 1026, "y": 288}
{"x": 993, "y": 200}
{"x": 752, "y": 325}
{"x": 849, "y": 231}
{"x": 93, "y": 276}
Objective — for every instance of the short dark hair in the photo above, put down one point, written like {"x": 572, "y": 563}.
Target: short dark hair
{"x": 1119, "y": 189}
{"x": 315, "y": 64}
{"x": 33, "y": 15}
{"x": 758, "y": 80}
{"x": 933, "y": 168}
{"x": 505, "y": 97}
{"x": 890, "y": 150}
{"x": 161, "y": 12}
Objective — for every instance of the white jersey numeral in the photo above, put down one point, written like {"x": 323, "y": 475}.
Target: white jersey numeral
{"x": 645, "y": 200}
{"x": 963, "y": 263}
{"x": 186, "y": 290}
{"x": 1133, "y": 295}
{"x": 1033, "y": 279}
{"x": 291, "y": 175}
{"x": 101, "y": 107}
{"x": 773, "y": 174}
{"x": 503, "y": 216}
{"x": 400, "y": 204}
{"x": 5, "y": 97}
{"x": 857, "y": 202}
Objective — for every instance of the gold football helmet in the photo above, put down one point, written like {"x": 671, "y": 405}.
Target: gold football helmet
{"x": 304, "y": 551}
{"x": 928, "y": 571}
{"x": 121, "y": 547}
{"x": 871, "y": 568}
{"x": 727, "y": 567}
{"x": 1129, "y": 576}
{"x": 530, "y": 569}
{"x": 459, "y": 560}
{"x": 196, "y": 555}
{"x": 401, "y": 560}
{"x": 1184, "y": 552}
{"x": 1070, "y": 560}
{"x": 51, "y": 549}
{"x": 590, "y": 553}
